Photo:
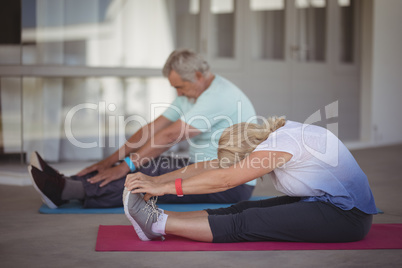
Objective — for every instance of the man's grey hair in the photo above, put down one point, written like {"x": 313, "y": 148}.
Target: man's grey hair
{"x": 186, "y": 63}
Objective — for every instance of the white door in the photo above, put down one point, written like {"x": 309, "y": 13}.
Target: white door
{"x": 291, "y": 57}
{"x": 306, "y": 52}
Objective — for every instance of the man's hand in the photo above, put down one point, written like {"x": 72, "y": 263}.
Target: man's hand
{"x": 110, "y": 174}
{"x": 141, "y": 183}
{"x": 100, "y": 166}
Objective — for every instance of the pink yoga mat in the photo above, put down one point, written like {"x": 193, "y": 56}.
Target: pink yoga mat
{"x": 124, "y": 238}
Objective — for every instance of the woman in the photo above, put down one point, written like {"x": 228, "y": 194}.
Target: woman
{"x": 327, "y": 195}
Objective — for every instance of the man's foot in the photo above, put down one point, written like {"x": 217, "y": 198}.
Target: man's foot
{"x": 39, "y": 163}
{"x": 141, "y": 214}
{"x": 49, "y": 187}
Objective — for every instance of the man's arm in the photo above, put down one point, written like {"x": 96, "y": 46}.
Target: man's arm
{"x": 141, "y": 137}
{"x": 163, "y": 140}
{"x": 156, "y": 145}
{"x": 137, "y": 140}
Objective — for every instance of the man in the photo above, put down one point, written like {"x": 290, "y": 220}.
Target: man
{"x": 206, "y": 104}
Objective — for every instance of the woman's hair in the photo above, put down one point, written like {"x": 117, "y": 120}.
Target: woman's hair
{"x": 238, "y": 141}
{"x": 186, "y": 63}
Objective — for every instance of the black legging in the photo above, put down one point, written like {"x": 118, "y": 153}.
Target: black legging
{"x": 287, "y": 219}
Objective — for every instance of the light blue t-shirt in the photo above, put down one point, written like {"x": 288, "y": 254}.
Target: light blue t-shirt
{"x": 321, "y": 168}
{"x": 223, "y": 104}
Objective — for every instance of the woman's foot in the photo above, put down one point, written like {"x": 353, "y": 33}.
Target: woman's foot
{"x": 141, "y": 214}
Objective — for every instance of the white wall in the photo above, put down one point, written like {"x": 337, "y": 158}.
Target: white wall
{"x": 386, "y": 101}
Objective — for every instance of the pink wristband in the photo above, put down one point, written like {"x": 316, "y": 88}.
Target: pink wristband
{"x": 179, "y": 190}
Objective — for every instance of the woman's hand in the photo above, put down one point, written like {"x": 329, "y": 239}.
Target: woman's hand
{"x": 141, "y": 183}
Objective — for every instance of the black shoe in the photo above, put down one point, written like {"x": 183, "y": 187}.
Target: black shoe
{"x": 39, "y": 163}
{"x": 49, "y": 187}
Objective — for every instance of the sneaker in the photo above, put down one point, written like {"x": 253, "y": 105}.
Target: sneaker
{"x": 141, "y": 214}
{"x": 49, "y": 187}
{"x": 39, "y": 163}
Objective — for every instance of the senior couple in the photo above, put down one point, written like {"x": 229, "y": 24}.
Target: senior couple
{"x": 321, "y": 203}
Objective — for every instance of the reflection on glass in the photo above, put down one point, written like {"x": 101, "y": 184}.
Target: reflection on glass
{"x": 187, "y": 19}
{"x": 122, "y": 33}
{"x": 81, "y": 118}
{"x": 311, "y": 30}
{"x": 268, "y": 20}
{"x": 10, "y": 115}
{"x": 223, "y": 25}
{"x": 347, "y": 22}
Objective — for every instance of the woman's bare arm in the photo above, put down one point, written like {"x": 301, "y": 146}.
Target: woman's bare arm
{"x": 255, "y": 165}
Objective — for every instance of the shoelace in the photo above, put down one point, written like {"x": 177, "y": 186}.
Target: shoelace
{"x": 152, "y": 209}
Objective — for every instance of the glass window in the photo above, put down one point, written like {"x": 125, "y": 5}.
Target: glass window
{"x": 223, "y": 28}
{"x": 97, "y": 32}
{"x": 347, "y": 30}
{"x": 77, "y": 118}
{"x": 187, "y": 24}
{"x": 268, "y": 28}
{"x": 10, "y": 115}
{"x": 311, "y": 19}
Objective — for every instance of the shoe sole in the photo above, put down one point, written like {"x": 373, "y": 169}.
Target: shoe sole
{"x": 44, "y": 198}
{"x": 137, "y": 228}
{"x": 34, "y": 161}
